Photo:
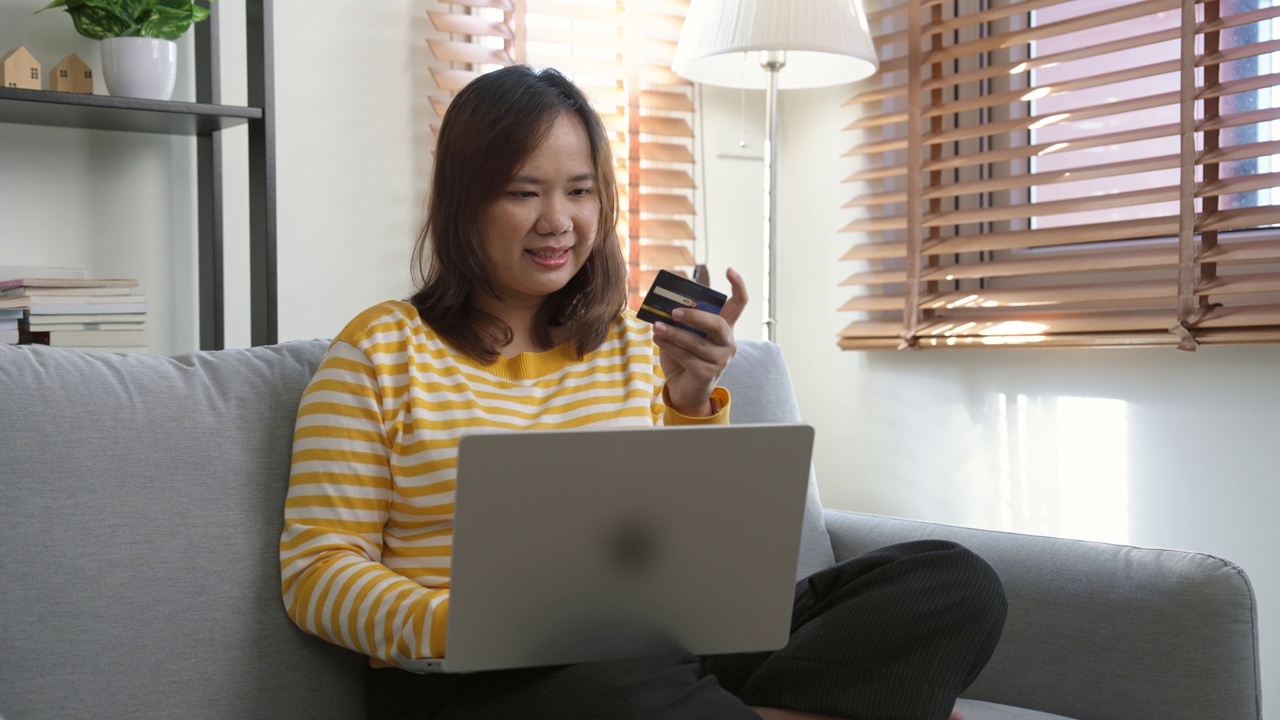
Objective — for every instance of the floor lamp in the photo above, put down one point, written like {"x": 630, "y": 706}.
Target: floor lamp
{"x": 820, "y": 42}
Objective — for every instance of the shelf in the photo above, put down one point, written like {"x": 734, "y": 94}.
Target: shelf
{"x": 104, "y": 112}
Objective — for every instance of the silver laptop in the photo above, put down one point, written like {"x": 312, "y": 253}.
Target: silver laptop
{"x": 582, "y": 545}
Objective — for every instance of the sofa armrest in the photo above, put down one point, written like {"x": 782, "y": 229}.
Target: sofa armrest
{"x": 1098, "y": 631}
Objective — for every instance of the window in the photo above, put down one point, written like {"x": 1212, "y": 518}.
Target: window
{"x": 1067, "y": 173}
{"x": 619, "y": 52}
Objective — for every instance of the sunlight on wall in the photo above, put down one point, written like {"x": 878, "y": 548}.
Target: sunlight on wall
{"x": 1064, "y": 466}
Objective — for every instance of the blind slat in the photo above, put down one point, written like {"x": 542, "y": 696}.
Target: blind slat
{"x": 1021, "y": 297}
{"x": 1092, "y": 262}
{"x": 1224, "y": 253}
{"x": 1239, "y": 284}
{"x": 469, "y": 25}
{"x": 1237, "y": 19}
{"x": 671, "y": 127}
{"x": 452, "y": 80}
{"x": 665, "y": 152}
{"x": 1243, "y": 183}
{"x": 666, "y": 204}
{"x": 1239, "y": 52}
{"x": 1093, "y": 340}
{"x": 654, "y": 229}
{"x": 660, "y": 100}
{"x": 1239, "y": 219}
{"x": 654, "y": 177}
{"x": 666, "y": 256}
{"x": 1241, "y": 252}
{"x": 465, "y": 52}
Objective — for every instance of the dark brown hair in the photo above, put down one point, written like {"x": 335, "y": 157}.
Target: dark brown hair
{"x": 493, "y": 125}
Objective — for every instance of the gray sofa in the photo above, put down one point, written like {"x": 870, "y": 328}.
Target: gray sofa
{"x": 140, "y": 506}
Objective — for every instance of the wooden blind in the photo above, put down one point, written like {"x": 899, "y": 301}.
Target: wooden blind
{"x": 619, "y": 52}
{"x": 1066, "y": 173}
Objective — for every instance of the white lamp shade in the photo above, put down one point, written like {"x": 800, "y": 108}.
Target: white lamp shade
{"x": 827, "y": 42}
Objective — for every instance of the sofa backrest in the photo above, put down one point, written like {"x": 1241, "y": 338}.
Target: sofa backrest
{"x": 141, "y": 500}
{"x": 140, "y": 509}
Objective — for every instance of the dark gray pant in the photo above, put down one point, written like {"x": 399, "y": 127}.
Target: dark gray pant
{"x": 896, "y": 633}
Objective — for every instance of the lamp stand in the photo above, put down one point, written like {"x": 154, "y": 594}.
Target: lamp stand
{"x": 772, "y": 61}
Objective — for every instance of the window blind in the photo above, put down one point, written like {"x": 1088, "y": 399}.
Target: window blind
{"x": 1066, "y": 173}
{"x": 619, "y": 52}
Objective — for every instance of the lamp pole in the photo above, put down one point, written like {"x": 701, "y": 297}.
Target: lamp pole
{"x": 772, "y": 61}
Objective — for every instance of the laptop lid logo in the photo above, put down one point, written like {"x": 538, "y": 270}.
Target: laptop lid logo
{"x": 632, "y": 547}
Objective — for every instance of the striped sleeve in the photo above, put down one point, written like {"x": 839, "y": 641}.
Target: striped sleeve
{"x": 340, "y": 492}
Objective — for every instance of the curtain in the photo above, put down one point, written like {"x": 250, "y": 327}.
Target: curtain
{"x": 1066, "y": 173}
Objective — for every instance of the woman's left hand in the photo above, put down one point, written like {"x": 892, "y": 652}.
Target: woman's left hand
{"x": 692, "y": 364}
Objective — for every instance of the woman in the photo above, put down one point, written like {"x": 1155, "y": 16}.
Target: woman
{"x": 520, "y": 322}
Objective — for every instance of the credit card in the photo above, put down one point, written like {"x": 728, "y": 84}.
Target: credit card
{"x": 670, "y": 291}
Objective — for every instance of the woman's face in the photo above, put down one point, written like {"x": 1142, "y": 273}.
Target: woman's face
{"x": 540, "y": 230}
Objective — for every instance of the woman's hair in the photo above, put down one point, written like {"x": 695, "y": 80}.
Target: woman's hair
{"x": 493, "y": 125}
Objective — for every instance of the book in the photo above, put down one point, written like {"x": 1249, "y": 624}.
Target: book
{"x": 39, "y": 326}
{"x": 8, "y": 336}
{"x": 74, "y": 306}
{"x": 74, "y": 299}
{"x": 64, "y": 291}
{"x": 75, "y": 319}
{"x": 11, "y": 313}
{"x": 66, "y": 283}
{"x": 85, "y": 338}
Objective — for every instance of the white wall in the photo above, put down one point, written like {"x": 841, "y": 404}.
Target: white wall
{"x": 1153, "y": 447}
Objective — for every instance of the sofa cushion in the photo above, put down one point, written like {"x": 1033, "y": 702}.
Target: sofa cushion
{"x": 140, "y": 510}
{"x": 1102, "y": 631}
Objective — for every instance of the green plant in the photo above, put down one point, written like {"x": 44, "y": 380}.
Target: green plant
{"x": 101, "y": 19}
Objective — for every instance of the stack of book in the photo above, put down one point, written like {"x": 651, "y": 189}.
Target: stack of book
{"x": 80, "y": 313}
{"x": 9, "y": 318}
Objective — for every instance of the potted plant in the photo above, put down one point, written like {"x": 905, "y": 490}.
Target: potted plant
{"x": 139, "y": 55}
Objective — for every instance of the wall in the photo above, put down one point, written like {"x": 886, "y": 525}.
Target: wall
{"x": 1153, "y": 447}
{"x": 353, "y": 142}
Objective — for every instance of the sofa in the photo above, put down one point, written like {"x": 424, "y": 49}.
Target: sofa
{"x": 140, "y": 508}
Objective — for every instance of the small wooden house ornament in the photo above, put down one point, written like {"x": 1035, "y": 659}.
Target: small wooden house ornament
{"x": 72, "y": 75}
{"x": 19, "y": 69}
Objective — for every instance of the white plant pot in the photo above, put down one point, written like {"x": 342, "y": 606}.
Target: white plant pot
{"x": 140, "y": 67}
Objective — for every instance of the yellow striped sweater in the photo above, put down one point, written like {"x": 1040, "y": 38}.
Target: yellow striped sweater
{"x": 368, "y": 527}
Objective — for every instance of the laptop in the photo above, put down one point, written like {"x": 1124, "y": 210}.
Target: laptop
{"x": 584, "y": 545}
